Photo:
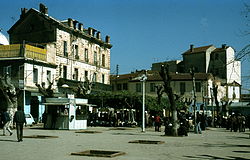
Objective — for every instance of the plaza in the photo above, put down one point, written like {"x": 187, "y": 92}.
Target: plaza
{"x": 214, "y": 143}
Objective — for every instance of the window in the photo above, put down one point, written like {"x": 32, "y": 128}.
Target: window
{"x": 119, "y": 87}
{"x": 103, "y": 60}
{"x": 7, "y": 70}
{"x": 76, "y": 52}
{"x": 65, "y": 49}
{"x": 65, "y": 72}
{"x": 95, "y": 58}
{"x": 35, "y": 75}
{"x": 138, "y": 87}
{"x": 103, "y": 78}
{"x": 94, "y": 77}
{"x": 152, "y": 87}
{"x": 182, "y": 88}
{"x": 21, "y": 72}
{"x": 86, "y": 55}
{"x": 86, "y": 74}
{"x": 48, "y": 76}
{"x": 198, "y": 86}
{"x": 216, "y": 56}
{"x": 125, "y": 86}
{"x": 75, "y": 75}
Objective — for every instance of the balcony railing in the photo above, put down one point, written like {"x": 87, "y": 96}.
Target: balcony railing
{"x": 26, "y": 51}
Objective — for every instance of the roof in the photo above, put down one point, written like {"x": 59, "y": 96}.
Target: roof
{"x": 155, "y": 76}
{"x": 59, "y": 24}
{"x": 220, "y": 49}
{"x": 198, "y": 49}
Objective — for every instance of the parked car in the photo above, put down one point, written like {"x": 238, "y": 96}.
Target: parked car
{"x": 29, "y": 119}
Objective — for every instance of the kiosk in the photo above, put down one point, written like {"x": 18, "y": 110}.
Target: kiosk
{"x": 65, "y": 113}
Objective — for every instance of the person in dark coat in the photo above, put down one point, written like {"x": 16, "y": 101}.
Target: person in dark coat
{"x": 19, "y": 120}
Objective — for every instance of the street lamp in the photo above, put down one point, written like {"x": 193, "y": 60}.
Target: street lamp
{"x": 143, "y": 79}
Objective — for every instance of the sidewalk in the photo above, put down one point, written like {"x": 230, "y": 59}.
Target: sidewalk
{"x": 215, "y": 143}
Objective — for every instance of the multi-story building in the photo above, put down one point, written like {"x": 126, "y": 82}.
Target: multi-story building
{"x": 45, "y": 50}
{"x": 181, "y": 83}
{"x": 220, "y": 62}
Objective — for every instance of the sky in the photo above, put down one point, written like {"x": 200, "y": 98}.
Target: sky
{"x": 148, "y": 31}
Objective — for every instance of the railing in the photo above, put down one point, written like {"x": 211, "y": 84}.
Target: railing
{"x": 27, "y": 51}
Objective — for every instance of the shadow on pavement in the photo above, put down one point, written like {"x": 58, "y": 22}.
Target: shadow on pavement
{"x": 215, "y": 157}
{"x": 7, "y": 140}
{"x": 225, "y": 145}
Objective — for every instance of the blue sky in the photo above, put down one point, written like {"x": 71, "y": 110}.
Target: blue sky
{"x": 147, "y": 31}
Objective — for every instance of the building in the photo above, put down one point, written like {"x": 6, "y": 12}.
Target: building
{"x": 181, "y": 84}
{"x": 44, "y": 50}
{"x": 220, "y": 62}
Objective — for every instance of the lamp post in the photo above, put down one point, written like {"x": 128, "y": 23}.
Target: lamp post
{"x": 143, "y": 79}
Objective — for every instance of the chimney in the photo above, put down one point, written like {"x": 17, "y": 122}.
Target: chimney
{"x": 23, "y": 12}
{"x": 70, "y": 22}
{"x": 90, "y": 31}
{"x": 107, "y": 39}
{"x": 98, "y": 35}
{"x": 80, "y": 26}
{"x": 223, "y": 46}
{"x": 74, "y": 24}
{"x": 191, "y": 48}
{"x": 43, "y": 9}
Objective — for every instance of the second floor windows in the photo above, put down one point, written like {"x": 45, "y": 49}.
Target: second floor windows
{"x": 95, "y": 58}
{"x": 76, "y": 52}
{"x": 65, "y": 72}
{"x": 103, "y": 60}
{"x": 86, "y": 55}
{"x": 65, "y": 49}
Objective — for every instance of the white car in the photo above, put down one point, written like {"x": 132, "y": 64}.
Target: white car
{"x": 29, "y": 119}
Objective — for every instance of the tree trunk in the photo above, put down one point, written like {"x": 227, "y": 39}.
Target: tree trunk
{"x": 168, "y": 89}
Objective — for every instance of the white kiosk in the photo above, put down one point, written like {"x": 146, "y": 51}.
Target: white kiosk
{"x": 65, "y": 113}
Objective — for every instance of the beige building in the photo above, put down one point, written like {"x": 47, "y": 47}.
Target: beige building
{"x": 182, "y": 84}
{"x": 220, "y": 62}
{"x": 44, "y": 49}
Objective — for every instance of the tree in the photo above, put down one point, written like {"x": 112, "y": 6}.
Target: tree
{"x": 8, "y": 95}
{"x": 164, "y": 73}
{"x": 46, "y": 92}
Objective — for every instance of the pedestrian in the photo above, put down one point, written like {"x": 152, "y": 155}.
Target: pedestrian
{"x": 6, "y": 118}
{"x": 158, "y": 123}
{"x": 198, "y": 123}
{"x": 19, "y": 119}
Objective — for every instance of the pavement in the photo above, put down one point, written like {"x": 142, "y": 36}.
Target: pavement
{"x": 214, "y": 143}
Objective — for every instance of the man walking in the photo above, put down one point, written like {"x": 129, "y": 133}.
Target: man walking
{"x": 19, "y": 119}
{"x": 6, "y": 122}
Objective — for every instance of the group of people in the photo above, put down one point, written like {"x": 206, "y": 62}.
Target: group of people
{"x": 18, "y": 119}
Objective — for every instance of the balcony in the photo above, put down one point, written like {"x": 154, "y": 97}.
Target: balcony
{"x": 26, "y": 51}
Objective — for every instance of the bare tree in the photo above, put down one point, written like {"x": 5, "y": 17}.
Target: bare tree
{"x": 46, "y": 92}
{"x": 164, "y": 73}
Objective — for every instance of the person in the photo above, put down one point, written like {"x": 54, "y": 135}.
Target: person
{"x": 19, "y": 120}
{"x": 6, "y": 122}
{"x": 158, "y": 123}
{"x": 198, "y": 123}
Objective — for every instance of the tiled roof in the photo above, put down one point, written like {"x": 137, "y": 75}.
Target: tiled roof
{"x": 198, "y": 49}
{"x": 155, "y": 76}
